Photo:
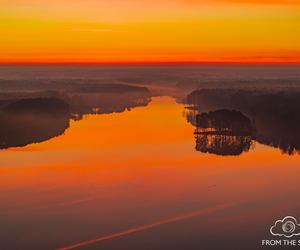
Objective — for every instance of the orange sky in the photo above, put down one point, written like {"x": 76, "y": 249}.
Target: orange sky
{"x": 98, "y": 31}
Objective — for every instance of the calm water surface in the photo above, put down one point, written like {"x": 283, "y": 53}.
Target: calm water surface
{"x": 134, "y": 180}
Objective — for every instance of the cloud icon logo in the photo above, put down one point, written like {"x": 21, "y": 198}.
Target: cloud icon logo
{"x": 287, "y": 227}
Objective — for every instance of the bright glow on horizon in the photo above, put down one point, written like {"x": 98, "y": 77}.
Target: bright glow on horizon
{"x": 150, "y": 31}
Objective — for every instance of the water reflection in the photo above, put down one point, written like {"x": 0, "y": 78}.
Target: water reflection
{"x": 223, "y": 144}
{"x": 223, "y": 132}
{"x": 100, "y": 180}
{"x": 34, "y": 117}
{"x": 268, "y": 118}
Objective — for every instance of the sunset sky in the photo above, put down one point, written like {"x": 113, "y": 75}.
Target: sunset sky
{"x": 98, "y": 31}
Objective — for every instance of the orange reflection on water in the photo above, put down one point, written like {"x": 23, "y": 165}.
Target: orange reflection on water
{"x": 112, "y": 172}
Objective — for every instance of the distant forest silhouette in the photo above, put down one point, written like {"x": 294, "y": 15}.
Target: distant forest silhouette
{"x": 271, "y": 118}
{"x": 32, "y": 117}
{"x": 32, "y": 120}
{"x": 227, "y": 121}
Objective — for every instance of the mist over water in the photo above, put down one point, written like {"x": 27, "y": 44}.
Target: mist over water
{"x": 147, "y": 157}
{"x": 161, "y": 79}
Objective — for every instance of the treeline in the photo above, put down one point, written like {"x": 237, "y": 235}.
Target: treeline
{"x": 274, "y": 116}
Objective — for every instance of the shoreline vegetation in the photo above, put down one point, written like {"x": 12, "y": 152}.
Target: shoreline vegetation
{"x": 268, "y": 117}
{"x": 31, "y": 117}
{"x": 268, "y": 100}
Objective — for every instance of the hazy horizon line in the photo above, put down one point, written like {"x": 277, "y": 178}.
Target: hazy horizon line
{"x": 279, "y": 63}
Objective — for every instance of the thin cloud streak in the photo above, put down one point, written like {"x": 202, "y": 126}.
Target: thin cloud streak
{"x": 99, "y": 30}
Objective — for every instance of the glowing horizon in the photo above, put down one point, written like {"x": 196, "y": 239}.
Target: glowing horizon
{"x": 150, "y": 31}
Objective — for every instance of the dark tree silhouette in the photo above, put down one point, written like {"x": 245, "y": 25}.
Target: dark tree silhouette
{"x": 223, "y": 144}
{"x": 223, "y": 132}
{"x": 222, "y": 121}
{"x": 274, "y": 115}
{"x": 32, "y": 120}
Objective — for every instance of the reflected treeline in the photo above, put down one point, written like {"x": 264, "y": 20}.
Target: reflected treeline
{"x": 32, "y": 117}
{"x": 222, "y": 144}
{"x": 241, "y": 117}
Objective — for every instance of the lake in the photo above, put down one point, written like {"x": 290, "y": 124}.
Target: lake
{"x": 134, "y": 179}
